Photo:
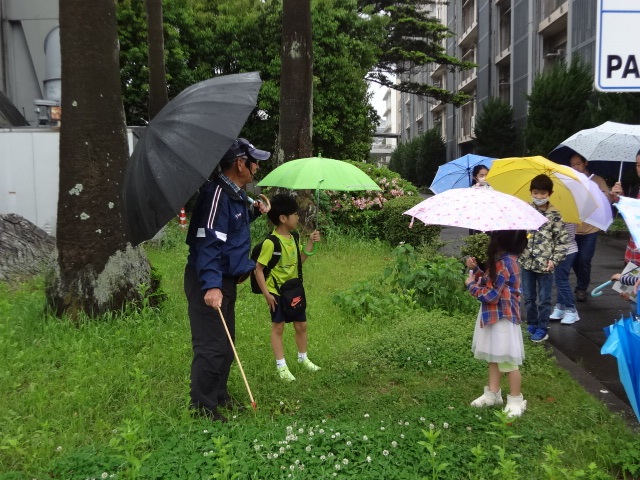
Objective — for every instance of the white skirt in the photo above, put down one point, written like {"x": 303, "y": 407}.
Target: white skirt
{"x": 499, "y": 342}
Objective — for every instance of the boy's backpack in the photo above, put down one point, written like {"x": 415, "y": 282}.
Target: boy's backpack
{"x": 275, "y": 258}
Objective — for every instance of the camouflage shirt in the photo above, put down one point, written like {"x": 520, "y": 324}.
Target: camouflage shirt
{"x": 549, "y": 242}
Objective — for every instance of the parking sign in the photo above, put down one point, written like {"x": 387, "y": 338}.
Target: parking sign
{"x": 618, "y": 46}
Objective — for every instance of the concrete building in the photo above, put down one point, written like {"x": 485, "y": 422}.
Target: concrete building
{"x": 511, "y": 41}
{"x": 386, "y": 138}
{"x": 29, "y": 61}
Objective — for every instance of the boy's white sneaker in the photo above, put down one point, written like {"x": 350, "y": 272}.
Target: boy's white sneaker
{"x": 515, "y": 406}
{"x": 285, "y": 374}
{"x": 488, "y": 399}
{"x": 569, "y": 318}
{"x": 557, "y": 314}
{"x": 309, "y": 365}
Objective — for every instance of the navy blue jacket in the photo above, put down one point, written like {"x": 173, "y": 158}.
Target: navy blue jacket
{"x": 218, "y": 236}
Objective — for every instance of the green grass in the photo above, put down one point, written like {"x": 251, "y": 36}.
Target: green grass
{"x": 109, "y": 397}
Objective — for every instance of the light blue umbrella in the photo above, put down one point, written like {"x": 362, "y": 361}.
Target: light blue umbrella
{"x": 458, "y": 173}
{"x": 623, "y": 342}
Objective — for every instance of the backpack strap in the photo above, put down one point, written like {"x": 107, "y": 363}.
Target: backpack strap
{"x": 277, "y": 252}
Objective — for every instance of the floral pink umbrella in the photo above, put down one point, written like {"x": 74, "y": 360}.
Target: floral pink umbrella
{"x": 478, "y": 209}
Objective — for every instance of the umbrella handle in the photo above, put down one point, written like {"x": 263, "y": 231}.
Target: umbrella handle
{"x": 313, "y": 251}
{"x": 235, "y": 353}
{"x": 596, "y": 292}
{"x": 266, "y": 201}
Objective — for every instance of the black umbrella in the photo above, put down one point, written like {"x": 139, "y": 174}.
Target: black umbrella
{"x": 180, "y": 148}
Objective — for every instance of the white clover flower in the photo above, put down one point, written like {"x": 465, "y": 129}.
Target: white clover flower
{"x": 382, "y": 429}
{"x": 365, "y": 438}
{"x": 385, "y": 453}
{"x": 366, "y": 415}
{"x": 402, "y": 435}
{"x": 206, "y": 454}
{"x": 333, "y": 436}
{"x": 256, "y": 448}
{"x": 308, "y": 449}
{"x": 289, "y": 429}
{"x": 337, "y": 466}
{"x": 337, "y": 434}
{"x": 301, "y": 430}
{"x": 345, "y": 461}
{"x": 59, "y": 448}
{"x": 335, "y": 474}
{"x": 269, "y": 456}
{"x": 445, "y": 425}
{"x": 207, "y": 431}
{"x": 422, "y": 419}
{"x": 104, "y": 475}
{"x": 324, "y": 420}
{"x": 281, "y": 403}
{"x": 368, "y": 459}
{"x": 469, "y": 429}
{"x": 349, "y": 443}
{"x": 429, "y": 362}
{"x": 394, "y": 444}
{"x": 301, "y": 466}
{"x": 330, "y": 454}
{"x": 321, "y": 431}
{"x": 406, "y": 424}
{"x": 282, "y": 450}
{"x": 210, "y": 452}
{"x": 450, "y": 407}
{"x": 431, "y": 426}
{"x": 292, "y": 467}
{"x": 297, "y": 462}
{"x": 275, "y": 456}
{"x": 428, "y": 348}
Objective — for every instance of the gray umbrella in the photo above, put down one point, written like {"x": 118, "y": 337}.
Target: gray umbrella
{"x": 609, "y": 142}
{"x": 180, "y": 148}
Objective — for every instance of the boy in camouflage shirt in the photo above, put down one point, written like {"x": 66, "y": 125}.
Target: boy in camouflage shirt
{"x": 546, "y": 248}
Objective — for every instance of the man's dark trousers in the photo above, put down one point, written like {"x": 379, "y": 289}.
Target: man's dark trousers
{"x": 212, "y": 352}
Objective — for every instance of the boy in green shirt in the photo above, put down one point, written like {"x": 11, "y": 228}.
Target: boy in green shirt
{"x": 284, "y": 216}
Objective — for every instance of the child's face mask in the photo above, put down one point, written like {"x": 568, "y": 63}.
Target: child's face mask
{"x": 539, "y": 201}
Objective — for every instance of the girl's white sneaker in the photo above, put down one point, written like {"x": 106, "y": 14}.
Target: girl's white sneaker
{"x": 488, "y": 399}
{"x": 515, "y": 406}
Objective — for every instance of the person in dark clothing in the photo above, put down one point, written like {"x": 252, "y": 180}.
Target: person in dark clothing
{"x": 219, "y": 243}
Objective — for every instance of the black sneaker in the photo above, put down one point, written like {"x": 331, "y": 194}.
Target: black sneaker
{"x": 581, "y": 295}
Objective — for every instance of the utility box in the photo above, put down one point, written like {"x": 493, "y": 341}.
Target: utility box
{"x": 29, "y": 174}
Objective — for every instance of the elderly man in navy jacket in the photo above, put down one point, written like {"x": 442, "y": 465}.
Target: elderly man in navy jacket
{"x": 219, "y": 244}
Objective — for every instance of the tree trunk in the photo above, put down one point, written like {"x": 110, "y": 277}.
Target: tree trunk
{"x": 158, "y": 96}
{"x": 96, "y": 271}
{"x": 296, "y": 93}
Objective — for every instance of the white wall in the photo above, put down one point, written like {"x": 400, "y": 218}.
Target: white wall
{"x": 29, "y": 174}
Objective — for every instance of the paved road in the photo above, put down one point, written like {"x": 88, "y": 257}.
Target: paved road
{"x": 577, "y": 346}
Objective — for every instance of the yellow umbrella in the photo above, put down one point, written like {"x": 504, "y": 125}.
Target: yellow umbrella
{"x": 570, "y": 196}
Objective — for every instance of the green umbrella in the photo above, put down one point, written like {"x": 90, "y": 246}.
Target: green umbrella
{"x": 318, "y": 173}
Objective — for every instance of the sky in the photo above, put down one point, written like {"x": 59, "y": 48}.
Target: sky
{"x": 377, "y": 99}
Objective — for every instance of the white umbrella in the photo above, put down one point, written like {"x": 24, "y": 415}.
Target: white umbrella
{"x": 629, "y": 208}
{"x": 601, "y": 217}
{"x": 479, "y": 209}
{"x": 609, "y": 142}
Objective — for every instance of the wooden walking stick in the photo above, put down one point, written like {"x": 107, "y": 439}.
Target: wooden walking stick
{"x": 235, "y": 353}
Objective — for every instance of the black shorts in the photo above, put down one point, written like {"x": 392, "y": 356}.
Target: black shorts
{"x": 279, "y": 316}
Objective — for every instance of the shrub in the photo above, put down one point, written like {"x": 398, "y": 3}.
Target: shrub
{"x": 475, "y": 246}
{"x": 395, "y": 226}
{"x": 361, "y": 210}
{"x": 495, "y": 130}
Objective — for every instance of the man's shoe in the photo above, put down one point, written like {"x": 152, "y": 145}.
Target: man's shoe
{"x": 231, "y": 404}
{"x": 557, "y": 314}
{"x": 211, "y": 414}
{"x": 285, "y": 374}
{"x": 540, "y": 335}
{"x": 309, "y": 365}
{"x": 531, "y": 329}
{"x": 581, "y": 295}
{"x": 569, "y": 318}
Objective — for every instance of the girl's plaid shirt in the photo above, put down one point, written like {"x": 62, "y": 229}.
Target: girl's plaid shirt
{"x": 502, "y": 299}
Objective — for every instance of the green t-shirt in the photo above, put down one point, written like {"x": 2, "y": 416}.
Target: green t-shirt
{"x": 287, "y": 267}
